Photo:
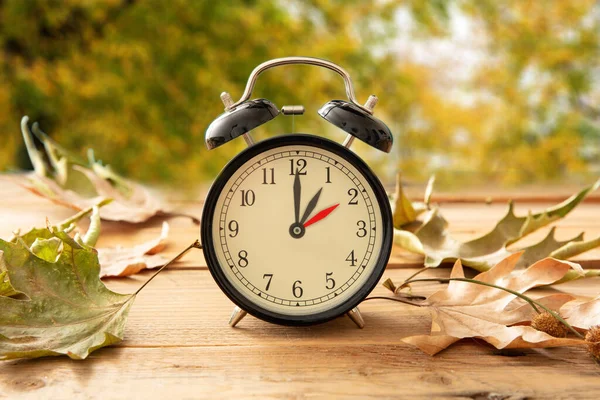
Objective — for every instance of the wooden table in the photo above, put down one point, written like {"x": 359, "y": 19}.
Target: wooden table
{"x": 178, "y": 344}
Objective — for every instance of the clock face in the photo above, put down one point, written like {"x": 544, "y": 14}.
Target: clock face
{"x": 299, "y": 229}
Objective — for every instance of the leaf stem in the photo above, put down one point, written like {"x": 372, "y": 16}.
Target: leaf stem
{"x": 406, "y": 281}
{"x": 81, "y": 214}
{"x": 196, "y": 244}
{"x": 398, "y": 299}
{"x": 534, "y": 304}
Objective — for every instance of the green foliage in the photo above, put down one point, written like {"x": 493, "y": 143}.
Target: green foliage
{"x": 65, "y": 308}
{"x": 140, "y": 81}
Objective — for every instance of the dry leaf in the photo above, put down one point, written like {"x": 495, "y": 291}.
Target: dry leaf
{"x": 66, "y": 309}
{"x": 67, "y": 180}
{"x": 468, "y": 310}
{"x": 432, "y": 239}
{"x": 584, "y": 315}
{"x": 405, "y": 211}
{"x": 115, "y": 261}
{"x": 121, "y": 261}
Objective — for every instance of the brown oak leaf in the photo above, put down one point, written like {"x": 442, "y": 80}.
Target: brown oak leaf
{"x": 469, "y": 310}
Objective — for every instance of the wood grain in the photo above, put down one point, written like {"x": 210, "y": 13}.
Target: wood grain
{"x": 178, "y": 345}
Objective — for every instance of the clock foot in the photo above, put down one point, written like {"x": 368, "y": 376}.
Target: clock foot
{"x": 236, "y": 316}
{"x": 356, "y": 317}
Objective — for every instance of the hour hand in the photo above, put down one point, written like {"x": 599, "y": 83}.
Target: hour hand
{"x": 311, "y": 206}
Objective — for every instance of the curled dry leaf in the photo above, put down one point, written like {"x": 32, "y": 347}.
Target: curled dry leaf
{"x": 584, "y": 315}
{"x": 68, "y": 180}
{"x": 121, "y": 261}
{"x": 64, "y": 308}
{"x": 468, "y": 310}
{"x": 405, "y": 211}
{"x": 432, "y": 238}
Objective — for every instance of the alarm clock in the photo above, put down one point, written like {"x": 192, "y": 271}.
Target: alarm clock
{"x": 297, "y": 229}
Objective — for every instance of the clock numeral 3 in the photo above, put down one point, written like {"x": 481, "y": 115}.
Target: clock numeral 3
{"x": 243, "y": 261}
{"x": 352, "y": 259}
{"x": 270, "y": 276}
{"x": 297, "y": 290}
{"x": 271, "y": 176}
{"x": 362, "y": 229}
{"x": 329, "y": 281}
{"x": 353, "y": 193}
{"x": 234, "y": 228}
{"x": 248, "y": 198}
{"x": 300, "y": 165}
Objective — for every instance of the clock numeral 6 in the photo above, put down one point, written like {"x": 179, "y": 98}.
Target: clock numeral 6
{"x": 352, "y": 259}
{"x": 234, "y": 228}
{"x": 353, "y": 193}
{"x": 297, "y": 290}
{"x": 362, "y": 229}
{"x": 270, "y": 276}
{"x": 243, "y": 261}
{"x": 299, "y": 164}
{"x": 329, "y": 281}
{"x": 248, "y": 198}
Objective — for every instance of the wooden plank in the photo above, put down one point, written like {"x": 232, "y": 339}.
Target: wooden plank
{"x": 178, "y": 345}
{"x": 22, "y": 210}
{"x": 177, "y": 342}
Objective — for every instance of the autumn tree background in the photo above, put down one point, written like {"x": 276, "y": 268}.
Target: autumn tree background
{"x": 477, "y": 91}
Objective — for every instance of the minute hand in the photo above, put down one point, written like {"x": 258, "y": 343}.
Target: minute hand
{"x": 310, "y": 207}
{"x": 297, "y": 195}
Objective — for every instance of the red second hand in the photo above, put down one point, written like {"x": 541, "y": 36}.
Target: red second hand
{"x": 320, "y": 215}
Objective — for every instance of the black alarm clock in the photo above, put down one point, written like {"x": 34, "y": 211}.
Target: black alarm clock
{"x": 297, "y": 229}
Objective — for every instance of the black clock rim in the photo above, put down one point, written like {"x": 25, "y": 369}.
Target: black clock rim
{"x": 208, "y": 245}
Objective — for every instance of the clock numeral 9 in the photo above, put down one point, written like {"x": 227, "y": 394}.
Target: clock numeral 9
{"x": 270, "y": 181}
{"x": 270, "y": 276}
{"x": 329, "y": 281}
{"x": 362, "y": 229}
{"x": 297, "y": 290}
{"x": 233, "y": 227}
{"x": 352, "y": 259}
{"x": 353, "y": 193}
{"x": 300, "y": 165}
{"x": 243, "y": 261}
{"x": 248, "y": 198}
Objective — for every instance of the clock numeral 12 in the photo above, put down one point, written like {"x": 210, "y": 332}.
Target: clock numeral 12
{"x": 272, "y": 176}
{"x": 248, "y": 198}
{"x": 300, "y": 165}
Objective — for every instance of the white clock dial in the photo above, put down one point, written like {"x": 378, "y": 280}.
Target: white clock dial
{"x": 297, "y": 230}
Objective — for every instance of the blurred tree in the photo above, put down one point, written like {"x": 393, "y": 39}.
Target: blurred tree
{"x": 139, "y": 81}
{"x": 531, "y": 109}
